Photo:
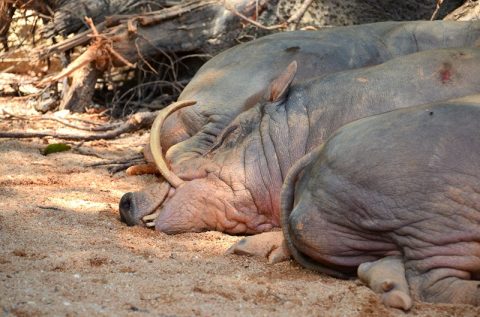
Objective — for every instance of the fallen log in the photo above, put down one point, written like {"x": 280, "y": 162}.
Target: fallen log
{"x": 68, "y": 15}
{"x": 203, "y": 25}
{"x": 470, "y": 10}
{"x": 196, "y": 25}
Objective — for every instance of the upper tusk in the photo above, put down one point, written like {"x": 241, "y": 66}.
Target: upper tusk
{"x": 156, "y": 146}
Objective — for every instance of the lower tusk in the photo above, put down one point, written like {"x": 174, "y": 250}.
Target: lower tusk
{"x": 150, "y": 224}
{"x": 162, "y": 193}
{"x": 153, "y": 216}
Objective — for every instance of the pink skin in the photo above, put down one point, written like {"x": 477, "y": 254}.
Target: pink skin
{"x": 174, "y": 130}
{"x": 208, "y": 204}
{"x": 210, "y": 200}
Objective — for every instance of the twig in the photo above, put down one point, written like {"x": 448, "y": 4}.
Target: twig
{"x": 76, "y": 40}
{"x": 155, "y": 17}
{"x": 136, "y": 157}
{"x": 87, "y": 57}
{"x": 122, "y": 164}
{"x": 119, "y": 57}
{"x": 51, "y": 208}
{"x": 257, "y": 24}
{"x": 134, "y": 123}
{"x": 437, "y": 8}
{"x": 158, "y": 49}
{"x": 206, "y": 56}
{"x": 85, "y": 121}
{"x": 106, "y": 43}
{"x": 81, "y": 151}
{"x": 295, "y": 18}
{"x": 140, "y": 55}
{"x": 156, "y": 82}
{"x": 101, "y": 43}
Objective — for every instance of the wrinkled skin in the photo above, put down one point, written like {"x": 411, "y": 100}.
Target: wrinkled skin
{"x": 235, "y": 188}
{"x": 236, "y": 79}
{"x": 405, "y": 184}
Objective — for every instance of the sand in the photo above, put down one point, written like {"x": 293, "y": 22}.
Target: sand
{"x": 65, "y": 252}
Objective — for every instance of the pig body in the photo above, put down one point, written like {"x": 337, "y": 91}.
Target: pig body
{"x": 405, "y": 184}
{"x": 237, "y": 79}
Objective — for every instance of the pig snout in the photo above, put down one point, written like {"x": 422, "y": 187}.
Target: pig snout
{"x": 128, "y": 210}
{"x": 136, "y": 205}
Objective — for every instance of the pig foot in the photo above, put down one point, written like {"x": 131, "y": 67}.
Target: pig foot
{"x": 270, "y": 245}
{"x": 149, "y": 220}
{"x": 387, "y": 278}
{"x": 445, "y": 285}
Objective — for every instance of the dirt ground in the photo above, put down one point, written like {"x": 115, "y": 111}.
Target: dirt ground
{"x": 64, "y": 251}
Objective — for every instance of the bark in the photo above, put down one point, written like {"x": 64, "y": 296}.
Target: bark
{"x": 6, "y": 13}
{"x": 79, "y": 94}
{"x": 69, "y": 15}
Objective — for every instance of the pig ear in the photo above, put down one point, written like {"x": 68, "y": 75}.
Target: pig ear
{"x": 279, "y": 86}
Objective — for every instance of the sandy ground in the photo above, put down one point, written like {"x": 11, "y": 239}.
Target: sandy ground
{"x": 64, "y": 251}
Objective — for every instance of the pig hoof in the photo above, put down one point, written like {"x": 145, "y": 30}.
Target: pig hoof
{"x": 269, "y": 245}
{"x": 387, "y": 278}
{"x": 279, "y": 254}
{"x": 397, "y": 299}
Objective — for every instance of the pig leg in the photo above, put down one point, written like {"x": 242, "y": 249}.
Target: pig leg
{"x": 387, "y": 278}
{"x": 270, "y": 245}
{"x": 445, "y": 285}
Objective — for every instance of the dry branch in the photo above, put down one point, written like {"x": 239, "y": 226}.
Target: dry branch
{"x": 136, "y": 122}
{"x": 295, "y": 18}
{"x": 134, "y": 165}
{"x": 91, "y": 127}
{"x": 438, "y": 4}
{"x": 136, "y": 157}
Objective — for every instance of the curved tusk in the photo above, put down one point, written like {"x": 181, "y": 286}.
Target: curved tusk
{"x": 156, "y": 146}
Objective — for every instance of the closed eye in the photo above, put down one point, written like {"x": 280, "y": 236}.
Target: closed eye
{"x": 222, "y": 137}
